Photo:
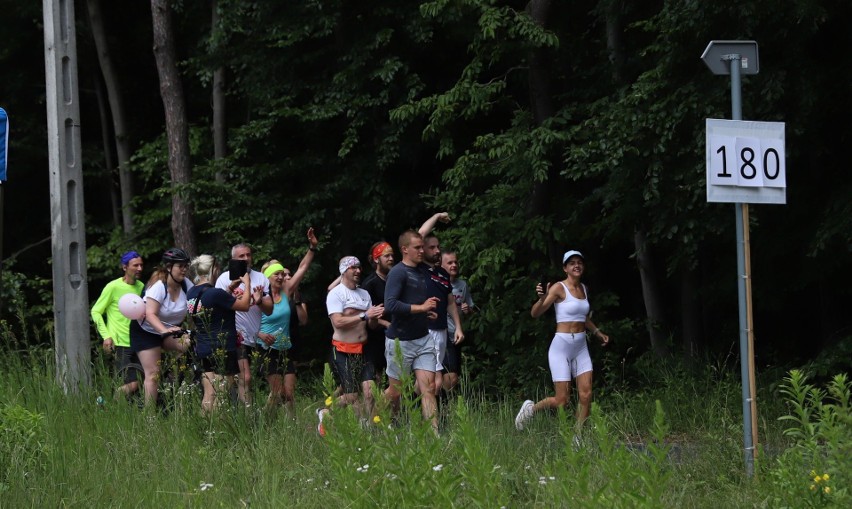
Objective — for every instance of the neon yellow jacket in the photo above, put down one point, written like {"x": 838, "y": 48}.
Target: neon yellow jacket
{"x": 117, "y": 326}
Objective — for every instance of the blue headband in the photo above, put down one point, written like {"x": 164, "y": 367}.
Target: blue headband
{"x": 126, "y": 257}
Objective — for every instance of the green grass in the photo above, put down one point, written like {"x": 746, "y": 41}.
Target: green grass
{"x": 676, "y": 442}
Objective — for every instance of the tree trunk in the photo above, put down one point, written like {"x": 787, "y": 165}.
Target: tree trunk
{"x": 119, "y": 118}
{"x": 693, "y": 332}
{"x": 109, "y": 162}
{"x": 647, "y": 273}
{"x": 183, "y": 228}
{"x": 220, "y": 139}
{"x": 614, "y": 40}
{"x": 220, "y": 133}
{"x": 542, "y": 109}
{"x": 650, "y": 294}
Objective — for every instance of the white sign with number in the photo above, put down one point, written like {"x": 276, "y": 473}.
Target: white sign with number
{"x": 746, "y": 162}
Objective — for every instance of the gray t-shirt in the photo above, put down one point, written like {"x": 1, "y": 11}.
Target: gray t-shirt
{"x": 461, "y": 292}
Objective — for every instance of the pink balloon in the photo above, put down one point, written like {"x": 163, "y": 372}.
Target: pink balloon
{"x": 131, "y": 306}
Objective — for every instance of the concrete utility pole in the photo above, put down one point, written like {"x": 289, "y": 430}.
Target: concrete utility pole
{"x": 70, "y": 290}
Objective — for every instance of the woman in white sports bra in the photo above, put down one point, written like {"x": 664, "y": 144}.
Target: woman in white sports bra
{"x": 568, "y": 355}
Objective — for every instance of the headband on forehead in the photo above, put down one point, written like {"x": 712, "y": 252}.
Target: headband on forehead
{"x": 126, "y": 257}
{"x": 379, "y": 249}
{"x": 272, "y": 269}
{"x": 346, "y": 262}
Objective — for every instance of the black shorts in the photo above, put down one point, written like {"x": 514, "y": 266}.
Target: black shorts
{"x": 249, "y": 352}
{"x": 374, "y": 351}
{"x": 141, "y": 340}
{"x": 215, "y": 363}
{"x": 274, "y": 362}
{"x": 350, "y": 369}
{"x": 452, "y": 357}
{"x": 124, "y": 356}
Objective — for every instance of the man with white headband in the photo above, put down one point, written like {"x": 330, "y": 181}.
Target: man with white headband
{"x": 351, "y": 310}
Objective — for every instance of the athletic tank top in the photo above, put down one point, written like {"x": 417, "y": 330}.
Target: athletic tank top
{"x": 572, "y": 309}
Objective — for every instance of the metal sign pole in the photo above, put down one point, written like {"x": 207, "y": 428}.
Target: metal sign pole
{"x": 736, "y": 58}
{"x": 744, "y": 291}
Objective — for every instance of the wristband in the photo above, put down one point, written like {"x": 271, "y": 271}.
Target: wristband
{"x": 312, "y": 248}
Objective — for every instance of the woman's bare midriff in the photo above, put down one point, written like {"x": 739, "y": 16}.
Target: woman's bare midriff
{"x": 571, "y": 327}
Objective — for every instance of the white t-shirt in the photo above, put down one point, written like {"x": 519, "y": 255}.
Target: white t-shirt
{"x": 340, "y": 298}
{"x": 172, "y": 312}
{"x": 248, "y": 322}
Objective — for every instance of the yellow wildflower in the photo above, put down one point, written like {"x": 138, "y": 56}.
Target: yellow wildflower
{"x": 826, "y": 490}
{"x": 328, "y": 401}
{"x": 825, "y": 477}
{"x": 813, "y": 487}
{"x": 817, "y": 479}
{"x": 813, "y": 473}
{"x": 377, "y": 419}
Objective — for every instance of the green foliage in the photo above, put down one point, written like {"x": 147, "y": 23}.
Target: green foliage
{"x": 832, "y": 359}
{"x": 23, "y": 443}
{"x": 27, "y": 308}
{"x": 815, "y": 471}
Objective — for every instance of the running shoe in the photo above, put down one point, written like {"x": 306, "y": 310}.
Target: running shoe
{"x": 524, "y": 414}
{"x": 320, "y": 427}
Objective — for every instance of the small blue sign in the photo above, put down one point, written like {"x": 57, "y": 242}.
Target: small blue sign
{"x": 4, "y": 143}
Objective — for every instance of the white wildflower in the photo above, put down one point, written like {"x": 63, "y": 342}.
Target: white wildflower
{"x": 438, "y": 467}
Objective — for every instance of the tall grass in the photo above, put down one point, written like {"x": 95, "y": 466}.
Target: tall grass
{"x": 674, "y": 443}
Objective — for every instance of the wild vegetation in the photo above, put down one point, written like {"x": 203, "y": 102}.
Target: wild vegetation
{"x": 677, "y": 443}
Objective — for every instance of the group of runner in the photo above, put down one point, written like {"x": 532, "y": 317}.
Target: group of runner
{"x": 404, "y": 318}
{"x": 244, "y": 323}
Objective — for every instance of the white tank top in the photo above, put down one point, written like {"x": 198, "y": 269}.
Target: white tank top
{"x": 572, "y": 309}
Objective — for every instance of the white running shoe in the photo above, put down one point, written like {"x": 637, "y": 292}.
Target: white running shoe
{"x": 524, "y": 414}
{"x": 320, "y": 427}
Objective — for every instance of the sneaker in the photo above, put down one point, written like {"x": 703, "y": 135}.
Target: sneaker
{"x": 524, "y": 414}
{"x": 320, "y": 427}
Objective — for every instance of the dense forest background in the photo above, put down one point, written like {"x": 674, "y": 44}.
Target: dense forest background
{"x": 540, "y": 126}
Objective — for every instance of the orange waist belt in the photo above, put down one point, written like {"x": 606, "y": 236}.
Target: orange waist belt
{"x": 348, "y": 347}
